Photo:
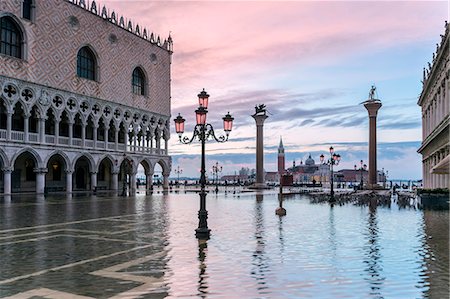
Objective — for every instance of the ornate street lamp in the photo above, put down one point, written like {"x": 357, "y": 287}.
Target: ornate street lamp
{"x": 333, "y": 160}
{"x": 216, "y": 169}
{"x": 203, "y": 131}
{"x": 361, "y": 169}
{"x": 178, "y": 171}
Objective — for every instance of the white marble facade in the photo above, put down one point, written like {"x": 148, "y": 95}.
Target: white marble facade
{"x": 434, "y": 101}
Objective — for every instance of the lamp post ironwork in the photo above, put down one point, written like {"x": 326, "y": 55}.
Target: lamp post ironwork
{"x": 362, "y": 168}
{"x": 178, "y": 171}
{"x": 203, "y": 131}
{"x": 216, "y": 169}
{"x": 333, "y": 160}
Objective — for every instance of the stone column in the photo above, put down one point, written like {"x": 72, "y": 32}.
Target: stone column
{"x": 8, "y": 125}
{"x": 40, "y": 179}
{"x": 42, "y": 130}
{"x": 56, "y": 130}
{"x": 69, "y": 174}
{"x": 116, "y": 138}
{"x": 158, "y": 142}
{"x": 70, "y": 133}
{"x": 166, "y": 145}
{"x": 26, "y": 128}
{"x": 95, "y": 135}
{"x": 105, "y": 133}
{"x": 166, "y": 180}
{"x": 372, "y": 107}
{"x": 7, "y": 180}
{"x": 151, "y": 142}
{"x": 149, "y": 181}
{"x": 93, "y": 180}
{"x": 259, "y": 119}
{"x": 115, "y": 181}
{"x": 133, "y": 183}
{"x": 83, "y": 134}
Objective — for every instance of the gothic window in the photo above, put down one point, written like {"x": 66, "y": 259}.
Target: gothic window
{"x": 11, "y": 38}
{"x": 27, "y": 7}
{"x": 86, "y": 64}
{"x": 138, "y": 81}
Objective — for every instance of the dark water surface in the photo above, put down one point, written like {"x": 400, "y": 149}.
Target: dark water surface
{"x": 144, "y": 247}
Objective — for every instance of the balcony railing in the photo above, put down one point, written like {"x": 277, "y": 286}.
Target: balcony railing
{"x": 19, "y": 136}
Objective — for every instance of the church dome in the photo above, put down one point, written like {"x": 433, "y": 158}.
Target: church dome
{"x": 310, "y": 161}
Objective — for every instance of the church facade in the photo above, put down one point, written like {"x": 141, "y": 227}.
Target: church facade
{"x": 84, "y": 99}
{"x": 434, "y": 101}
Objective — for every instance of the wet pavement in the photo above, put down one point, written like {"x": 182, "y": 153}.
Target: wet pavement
{"x": 144, "y": 247}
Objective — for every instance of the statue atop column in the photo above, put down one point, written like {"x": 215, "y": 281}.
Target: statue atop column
{"x": 372, "y": 105}
{"x": 260, "y": 116}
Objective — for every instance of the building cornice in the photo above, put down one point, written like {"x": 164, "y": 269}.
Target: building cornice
{"x": 441, "y": 127}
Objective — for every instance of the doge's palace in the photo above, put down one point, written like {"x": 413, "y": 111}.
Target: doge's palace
{"x": 84, "y": 100}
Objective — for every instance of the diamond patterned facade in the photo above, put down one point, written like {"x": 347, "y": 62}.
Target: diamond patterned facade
{"x": 61, "y": 132}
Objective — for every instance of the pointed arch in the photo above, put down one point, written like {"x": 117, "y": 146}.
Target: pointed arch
{"x": 165, "y": 167}
{"x": 33, "y": 153}
{"x": 92, "y": 164}
{"x": 18, "y": 116}
{"x": 83, "y": 166}
{"x": 106, "y": 167}
{"x": 63, "y": 155}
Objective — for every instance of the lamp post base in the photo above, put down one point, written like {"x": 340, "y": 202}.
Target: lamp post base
{"x": 280, "y": 211}
{"x": 202, "y": 233}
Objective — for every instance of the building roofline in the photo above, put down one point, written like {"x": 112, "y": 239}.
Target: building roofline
{"x": 429, "y": 73}
{"x": 127, "y": 25}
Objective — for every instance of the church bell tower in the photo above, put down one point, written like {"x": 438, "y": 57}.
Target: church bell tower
{"x": 281, "y": 159}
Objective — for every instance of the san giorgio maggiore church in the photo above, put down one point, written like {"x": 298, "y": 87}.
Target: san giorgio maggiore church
{"x": 84, "y": 100}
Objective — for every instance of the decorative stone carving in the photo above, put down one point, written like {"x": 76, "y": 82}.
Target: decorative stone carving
{"x": 44, "y": 99}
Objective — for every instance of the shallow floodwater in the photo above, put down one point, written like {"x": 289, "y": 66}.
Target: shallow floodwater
{"x": 144, "y": 247}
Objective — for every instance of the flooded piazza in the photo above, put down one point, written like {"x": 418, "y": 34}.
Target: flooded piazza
{"x": 144, "y": 247}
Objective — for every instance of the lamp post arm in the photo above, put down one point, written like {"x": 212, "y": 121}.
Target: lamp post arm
{"x": 210, "y": 132}
{"x": 187, "y": 140}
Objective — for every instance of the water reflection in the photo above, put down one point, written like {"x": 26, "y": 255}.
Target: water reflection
{"x": 434, "y": 251}
{"x": 202, "y": 275}
{"x": 260, "y": 266}
{"x": 372, "y": 255}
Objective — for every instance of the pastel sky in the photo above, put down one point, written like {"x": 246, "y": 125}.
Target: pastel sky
{"x": 311, "y": 62}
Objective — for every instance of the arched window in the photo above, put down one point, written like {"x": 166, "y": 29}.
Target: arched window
{"x": 138, "y": 81}
{"x": 86, "y": 64}
{"x": 11, "y": 38}
{"x": 27, "y": 7}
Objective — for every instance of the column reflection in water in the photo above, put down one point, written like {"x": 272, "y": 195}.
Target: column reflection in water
{"x": 260, "y": 265}
{"x": 372, "y": 256}
{"x": 202, "y": 275}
